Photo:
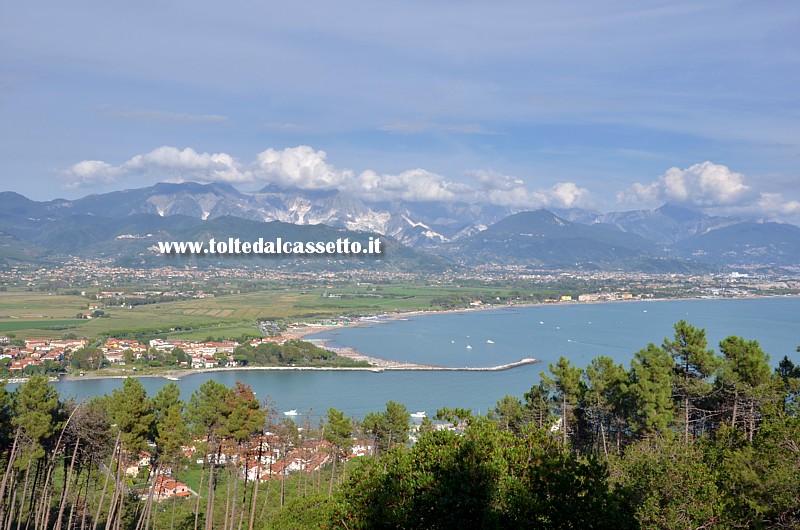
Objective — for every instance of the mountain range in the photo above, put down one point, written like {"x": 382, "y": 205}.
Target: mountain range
{"x": 430, "y": 234}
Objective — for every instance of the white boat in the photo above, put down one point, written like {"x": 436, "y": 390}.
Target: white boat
{"x": 469, "y": 347}
{"x": 489, "y": 341}
{"x": 418, "y": 414}
{"x": 292, "y": 412}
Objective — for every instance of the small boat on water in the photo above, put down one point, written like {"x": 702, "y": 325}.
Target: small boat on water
{"x": 292, "y": 412}
{"x": 469, "y": 347}
{"x": 418, "y": 414}
{"x": 489, "y": 341}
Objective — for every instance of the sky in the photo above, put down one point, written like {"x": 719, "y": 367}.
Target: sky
{"x": 605, "y": 105}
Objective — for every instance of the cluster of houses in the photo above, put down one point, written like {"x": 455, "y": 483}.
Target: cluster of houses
{"x": 267, "y": 457}
{"x": 261, "y": 458}
{"x": 37, "y": 351}
{"x": 207, "y": 354}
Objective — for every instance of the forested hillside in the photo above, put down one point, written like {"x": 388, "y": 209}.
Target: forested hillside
{"x": 687, "y": 436}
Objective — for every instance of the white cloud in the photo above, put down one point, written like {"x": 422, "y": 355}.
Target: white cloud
{"x": 188, "y": 164}
{"x": 411, "y": 185}
{"x": 508, "y": 190}
{"x": 305, "y": 168}
{"x": 705, "y": 184}
{"x": 90, "y": 173}
{"x": 165, "y": 164}
{"x": 300, "y": 167}
{"x": 775, "y": 204}
{"x": 708, "y": 186}
{"x": 564, "y": 195}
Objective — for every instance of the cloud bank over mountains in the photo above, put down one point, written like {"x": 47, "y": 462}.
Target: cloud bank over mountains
{"x": 705, "y": 186}
{"x": 710, "y": 187}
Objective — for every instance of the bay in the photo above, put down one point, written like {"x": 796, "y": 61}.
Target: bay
{"x": 577, "y": 331}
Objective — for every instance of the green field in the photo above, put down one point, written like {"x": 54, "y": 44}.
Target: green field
{"x": 44, "y": 324}
{"x": 231, "y": 316}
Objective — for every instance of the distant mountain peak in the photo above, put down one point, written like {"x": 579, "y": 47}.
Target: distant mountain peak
{"x": 679, "y": 212}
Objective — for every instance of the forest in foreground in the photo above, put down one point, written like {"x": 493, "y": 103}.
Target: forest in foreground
{"x": 686, "y": 436}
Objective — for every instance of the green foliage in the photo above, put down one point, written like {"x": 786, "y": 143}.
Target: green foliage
{"x": 5, "y": 417}
{"x": 649, "y": 392}
{"x": 339, "y": 431}
{"x": 670, "y": 485}
{"x": 509, "y": 413}
{"x": 129, "y": 411}
{"x": 35, "y": 408}
{"x": 88, "y": 359}
{"x": 566, "y": 388}
{"x": 694, "y": 365}
{"x": 171, "y": 431}
{"x": 389, "y": 428}
{"x": 486, "y": 477}
{"x": 537, "y": 405}
{"x": 242, "y": 413}
{"x": 294, "y": 352}
{"x": 204, "y": 408}
{"x": 602, "y": 401}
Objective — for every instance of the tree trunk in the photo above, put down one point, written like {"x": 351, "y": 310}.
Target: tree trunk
{"x": 333, "y": 472}
{"x": 210, "y": 496}
{"x": 144, "y": 519}
{"x": 686, "y": 419}
{"x": 266, "y": 497}
{"x": 67, "y": 482}
{"x": 735, "y": 403}
{"x": 235, "y": 492}
{"x": 227, "y": 501}
{"x": 24, "y": 494}
{"x": 283, "y": 488}
{"x": 11, "y": 510}
{"x": 116, "y": 500}
{"x": 6, "y": 475}
{"x": 105, "y": 484}
{"x": 603, "y": 435}
{"x": 31, "y": 513}
{"x": 86, "y": 496}
{"x": 199, "y": 493}
{"x": 564, "y": 418}
{"x": 254, "y": 500}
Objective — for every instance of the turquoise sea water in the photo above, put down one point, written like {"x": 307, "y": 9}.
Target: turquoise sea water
{"x": 579, "y": 332}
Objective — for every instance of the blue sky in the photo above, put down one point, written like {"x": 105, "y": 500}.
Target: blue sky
{"x": 606, "y": 104}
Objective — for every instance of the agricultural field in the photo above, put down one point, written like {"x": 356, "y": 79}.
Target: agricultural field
{"x": 38, "y": 315}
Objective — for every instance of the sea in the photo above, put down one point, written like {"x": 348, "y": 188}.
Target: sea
{"x": 484, "y": 338}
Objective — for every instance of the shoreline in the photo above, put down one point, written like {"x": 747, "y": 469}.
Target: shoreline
{"x": 396, "y": 366}
{"x": 380, "y": 364}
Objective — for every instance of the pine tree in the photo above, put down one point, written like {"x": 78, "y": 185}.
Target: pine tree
{"x": 603, "y": 380}
{"x": 509, "y": 413}
{"x": 338, "y": 431}
{"x": 745, "y": 374}
{"x": 694, "y": 365}
{"x": 649, "y": 392}
{"x": 537, "y": 405}
{"x": 566, "y": 387}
